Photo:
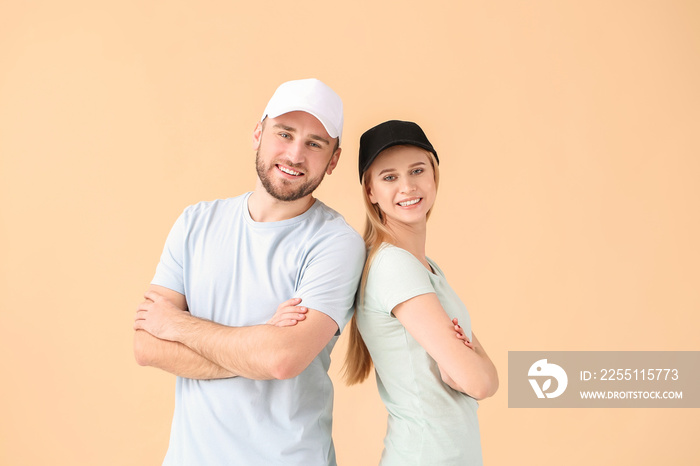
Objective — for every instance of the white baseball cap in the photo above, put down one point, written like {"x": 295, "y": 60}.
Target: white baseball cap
{"x": 310, "y": 96}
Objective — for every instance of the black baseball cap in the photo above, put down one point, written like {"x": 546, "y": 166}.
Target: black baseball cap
{"x": 388, "y": 134}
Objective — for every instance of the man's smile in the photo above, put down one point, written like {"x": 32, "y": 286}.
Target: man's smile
{"x": 288, "y": 171}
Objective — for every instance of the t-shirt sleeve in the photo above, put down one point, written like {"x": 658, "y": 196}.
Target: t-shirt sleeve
{"x": 330, "y": 279}
{"x": 169, "y": 272}
{"x": 395, "y": 277}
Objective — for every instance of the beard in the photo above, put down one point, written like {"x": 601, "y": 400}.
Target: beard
{"x": 286, "y": 191}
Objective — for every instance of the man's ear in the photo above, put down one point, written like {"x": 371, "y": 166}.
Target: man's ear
{"x": 334, "y": 161}
{"x": 257, "y": 135}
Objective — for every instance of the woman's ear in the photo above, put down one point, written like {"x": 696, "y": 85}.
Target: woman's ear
{"x": 371, "y": 196}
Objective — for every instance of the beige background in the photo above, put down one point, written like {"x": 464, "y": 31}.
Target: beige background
{"x": 568, "y": 216}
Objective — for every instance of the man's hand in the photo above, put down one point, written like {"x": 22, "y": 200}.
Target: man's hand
{"x": 280, "y": 350}
{"x": 159, "y": 317}
{"x": 288, "y": 313}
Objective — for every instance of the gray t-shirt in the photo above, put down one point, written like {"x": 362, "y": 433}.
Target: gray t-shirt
{"x": 235, "y": 271}
{"x": 429, "y": 422}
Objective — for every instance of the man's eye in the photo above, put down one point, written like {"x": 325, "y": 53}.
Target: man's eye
{"x": 315, "y": 144}
{"x": 285, "y": 135}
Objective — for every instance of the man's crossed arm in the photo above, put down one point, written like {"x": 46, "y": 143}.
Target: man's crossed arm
{"x": 170, "y": 338}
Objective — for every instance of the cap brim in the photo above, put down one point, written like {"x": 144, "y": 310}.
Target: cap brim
{"x": 401, "y": 142}
{"x": 332, "y": 131}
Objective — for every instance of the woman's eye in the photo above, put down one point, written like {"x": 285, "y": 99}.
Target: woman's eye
{"x": 417, "y": 171}
{"x": 389, "y": 178}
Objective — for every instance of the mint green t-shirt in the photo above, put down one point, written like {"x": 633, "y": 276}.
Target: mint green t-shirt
{"x": 429, "y": 423}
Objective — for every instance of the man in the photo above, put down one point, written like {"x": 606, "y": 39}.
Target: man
{"x": 248, "y": 392}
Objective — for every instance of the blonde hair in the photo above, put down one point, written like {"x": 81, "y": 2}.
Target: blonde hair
{"x": 358, "y": 362}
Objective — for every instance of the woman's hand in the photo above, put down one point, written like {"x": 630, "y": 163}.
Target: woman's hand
{"x": 460, "y": 334}
{"x": 288, "y": 313}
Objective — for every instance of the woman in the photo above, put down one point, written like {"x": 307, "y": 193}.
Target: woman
{"x": 430, "y": 367}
